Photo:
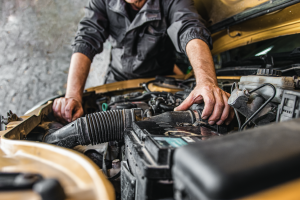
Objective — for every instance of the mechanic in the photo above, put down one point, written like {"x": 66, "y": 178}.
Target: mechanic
{"x": 143, "y": 34}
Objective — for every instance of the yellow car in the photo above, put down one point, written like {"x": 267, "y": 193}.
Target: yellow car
{"x": 131, "y": 145}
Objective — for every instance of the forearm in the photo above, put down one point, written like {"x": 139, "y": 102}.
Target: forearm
{"x": 78, "y": 73}
{"x": 216, "y": 109}
{"x": 201, "y": 60}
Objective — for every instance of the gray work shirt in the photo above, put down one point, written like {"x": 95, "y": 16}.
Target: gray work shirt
{"x": 143, "y": 47}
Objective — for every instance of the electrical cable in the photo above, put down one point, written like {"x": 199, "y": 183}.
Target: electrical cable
{"x": 166, "y": 107}
{"x": 290, "y": 69}
{"x": 268, "y": 101}
{"x": 115, "y": 176}
{"x": 181, "y": 83}
{"x": 104, "y": 169}
{"x": 184, "y": 86}
{"x": 139, "y": 98}
{"x": 146, "y": 85}
{"x": 238, "y": 118}
{"x": 235, "y": 111}
{"x": 189, "y": 80}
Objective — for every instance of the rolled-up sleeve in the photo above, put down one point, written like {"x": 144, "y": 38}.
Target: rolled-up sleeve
{"x": 185, "y": 24}
{"x": 92, "y": 30}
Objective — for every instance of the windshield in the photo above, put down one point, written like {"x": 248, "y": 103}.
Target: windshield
{"x": 234, "y": 57}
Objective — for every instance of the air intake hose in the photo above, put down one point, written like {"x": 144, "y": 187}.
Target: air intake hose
{"x": 92, "y": 129}
{"x": 109, "y": 126}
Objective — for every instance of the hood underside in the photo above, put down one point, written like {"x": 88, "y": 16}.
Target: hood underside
{"x": 281, "y": 22}
{"x": 220, "y": 14}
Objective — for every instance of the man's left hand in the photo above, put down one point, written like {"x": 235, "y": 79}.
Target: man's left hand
{"x": 216, "y": 108}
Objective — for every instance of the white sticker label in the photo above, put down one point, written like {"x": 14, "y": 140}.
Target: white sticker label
{"x": 188, "y": 139}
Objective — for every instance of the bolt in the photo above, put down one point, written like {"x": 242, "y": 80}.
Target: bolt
{"x": 246, "y": 92}
{"x": 116, "y": 164}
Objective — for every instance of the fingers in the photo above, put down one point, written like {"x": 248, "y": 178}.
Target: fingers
{"x": 69, "y": 110}
{"x": 57, "y": 109}
{"x": 73, "y": 110}
{"x": 78, "y": 113}
{"x": 209, "y": 100}
{"x": 189, "y": 101}
{"x": 185, "y": 104}
{"x": 54, "y": 107}
{"x": 226, "y": 110}
{"x": 218, "y": 107}
{"x": 63, "y": 109}
{"x": 230, "y": 117}
{"x": 231, "y": 113}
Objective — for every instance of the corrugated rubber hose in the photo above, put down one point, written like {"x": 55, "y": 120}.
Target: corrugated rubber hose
{"x": 92, "y": 129}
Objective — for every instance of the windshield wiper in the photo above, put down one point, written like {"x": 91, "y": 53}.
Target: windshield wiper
{"x": 268, "y": 60}
{"x": 296, "y": 51}
{"x": 258, "y": 61}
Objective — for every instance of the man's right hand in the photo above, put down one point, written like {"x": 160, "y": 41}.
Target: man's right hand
{"x": 67, "y": 109}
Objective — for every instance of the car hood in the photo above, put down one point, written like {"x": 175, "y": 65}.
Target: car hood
{"x": 236, "y": 23}
{"x": 220, "y": 14}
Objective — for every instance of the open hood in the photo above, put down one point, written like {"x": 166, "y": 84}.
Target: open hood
{"x": 220, "y": 14}
{"x": 237, "y": 23}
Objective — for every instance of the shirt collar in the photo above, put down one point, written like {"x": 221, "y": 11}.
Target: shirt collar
{"x": 119, "y": 6}
{"x": 149, "y": 12}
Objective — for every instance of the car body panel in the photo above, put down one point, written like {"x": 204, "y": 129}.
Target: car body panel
{"x": 124, "y": 85}
{"x": 138, "y": 84}
{"x": 289, "y": 190}
{"x": 78, "y": 174}
{"x": 279, "y": 23}
{"x": 80, "y": 177}
{"x": 218, "y": 10}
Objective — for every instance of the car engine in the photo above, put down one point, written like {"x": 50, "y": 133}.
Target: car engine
{"x": 132, "y": 137}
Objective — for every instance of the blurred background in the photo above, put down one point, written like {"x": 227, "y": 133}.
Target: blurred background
{"x": 35, "y": 51}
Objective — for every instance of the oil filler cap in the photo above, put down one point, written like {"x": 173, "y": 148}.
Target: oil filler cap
{"x": 268, "y": 72}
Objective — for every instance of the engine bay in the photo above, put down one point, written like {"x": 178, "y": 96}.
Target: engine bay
{"x": 133, "y": 136}
{"x": 130, "y": 137}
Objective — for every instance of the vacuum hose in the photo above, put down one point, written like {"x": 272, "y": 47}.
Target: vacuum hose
{"x": 93, "y": 129}
{"x": 109, "y": 126}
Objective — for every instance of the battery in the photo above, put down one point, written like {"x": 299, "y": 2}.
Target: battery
{"x": 149, "y": 149}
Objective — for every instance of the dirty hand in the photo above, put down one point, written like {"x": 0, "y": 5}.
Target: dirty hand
{"x": 216, "y": 108}
{"x": 67, "y": 109}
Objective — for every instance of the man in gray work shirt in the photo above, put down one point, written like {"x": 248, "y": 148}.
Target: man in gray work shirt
{"x": 143, "y": 34}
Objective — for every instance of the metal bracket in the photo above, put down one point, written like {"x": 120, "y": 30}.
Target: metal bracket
{"x": 285, "y": 110}
{"x": 11, "y": 117}
{"x": 233, "y": 36}
{"x": 269, "y": 61}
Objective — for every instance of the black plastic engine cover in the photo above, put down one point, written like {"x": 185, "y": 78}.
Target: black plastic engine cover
{"x": 148, "y": 151}
{"x": 239, "y": 164}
